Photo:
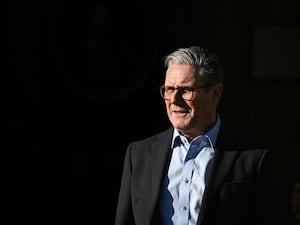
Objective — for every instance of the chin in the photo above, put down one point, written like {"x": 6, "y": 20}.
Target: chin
{"x": 180, "y": 126}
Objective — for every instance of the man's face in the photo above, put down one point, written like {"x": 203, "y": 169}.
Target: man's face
{"x": 196, "y": 116}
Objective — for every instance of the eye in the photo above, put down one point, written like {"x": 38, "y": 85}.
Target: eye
{"x": 170, "y": 89}
{"x": 186, "y": 90}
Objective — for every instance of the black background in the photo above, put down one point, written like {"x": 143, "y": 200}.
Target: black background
{"x": 83, "y": 83}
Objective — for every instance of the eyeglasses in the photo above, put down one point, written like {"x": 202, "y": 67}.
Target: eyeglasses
{"x": 186, "y": 93}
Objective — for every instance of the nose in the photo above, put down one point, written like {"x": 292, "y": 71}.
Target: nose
{"x": 176, "y": 96}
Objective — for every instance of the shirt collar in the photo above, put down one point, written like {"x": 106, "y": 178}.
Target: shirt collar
{"x": 212, "y": 133}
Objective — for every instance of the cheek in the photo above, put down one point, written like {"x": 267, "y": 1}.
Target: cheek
{"x": 196, "y": 104}
{"x": 167, "y": 105}
{"x": 201, "y": 105}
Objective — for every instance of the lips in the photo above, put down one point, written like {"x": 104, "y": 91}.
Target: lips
{"x": 180, "y": 111}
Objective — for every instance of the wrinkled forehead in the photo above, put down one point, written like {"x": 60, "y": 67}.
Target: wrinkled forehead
{"x": 182, "y": 73}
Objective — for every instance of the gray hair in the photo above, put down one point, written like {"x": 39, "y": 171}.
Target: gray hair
{"x": 207, "y": 64}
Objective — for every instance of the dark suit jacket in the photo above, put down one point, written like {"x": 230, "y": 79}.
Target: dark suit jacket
{"x": 239, "y": 190}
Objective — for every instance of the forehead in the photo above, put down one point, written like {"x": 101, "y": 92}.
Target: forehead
{"x": 181, "y": 73}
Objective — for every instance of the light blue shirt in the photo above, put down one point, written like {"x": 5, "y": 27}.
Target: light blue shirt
{"x": 184, "y": 183}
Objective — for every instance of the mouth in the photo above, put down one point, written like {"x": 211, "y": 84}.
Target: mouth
{"x": 180, "y": 112}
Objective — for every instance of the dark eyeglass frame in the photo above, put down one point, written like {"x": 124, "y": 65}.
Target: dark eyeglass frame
{"x": 181, "y": 91}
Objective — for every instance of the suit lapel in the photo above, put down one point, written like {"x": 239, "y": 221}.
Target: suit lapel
{"x": 223, "y": 159}
{"x": 160, "y": 156}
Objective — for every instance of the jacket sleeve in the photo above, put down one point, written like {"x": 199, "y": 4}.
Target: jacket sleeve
{"x": 124, "y": 214}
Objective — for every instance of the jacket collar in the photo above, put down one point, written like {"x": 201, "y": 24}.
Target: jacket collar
{"x": 161, "y": 153}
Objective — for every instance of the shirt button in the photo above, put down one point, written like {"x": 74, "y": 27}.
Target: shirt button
{"x": 186, "y": 180}
{"x": 184, "y": 208}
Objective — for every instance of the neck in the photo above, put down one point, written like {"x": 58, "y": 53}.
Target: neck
{"x": 193, "y": 133}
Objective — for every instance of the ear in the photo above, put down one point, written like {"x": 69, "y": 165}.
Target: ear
{"x": 217, "y": 91}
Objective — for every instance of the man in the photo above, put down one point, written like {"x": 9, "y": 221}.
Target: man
{"x": 196, "y": 172}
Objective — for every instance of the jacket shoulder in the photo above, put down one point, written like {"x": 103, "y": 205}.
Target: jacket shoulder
{"x": 238, "y": 139}
{"x": 155, "y": 137}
